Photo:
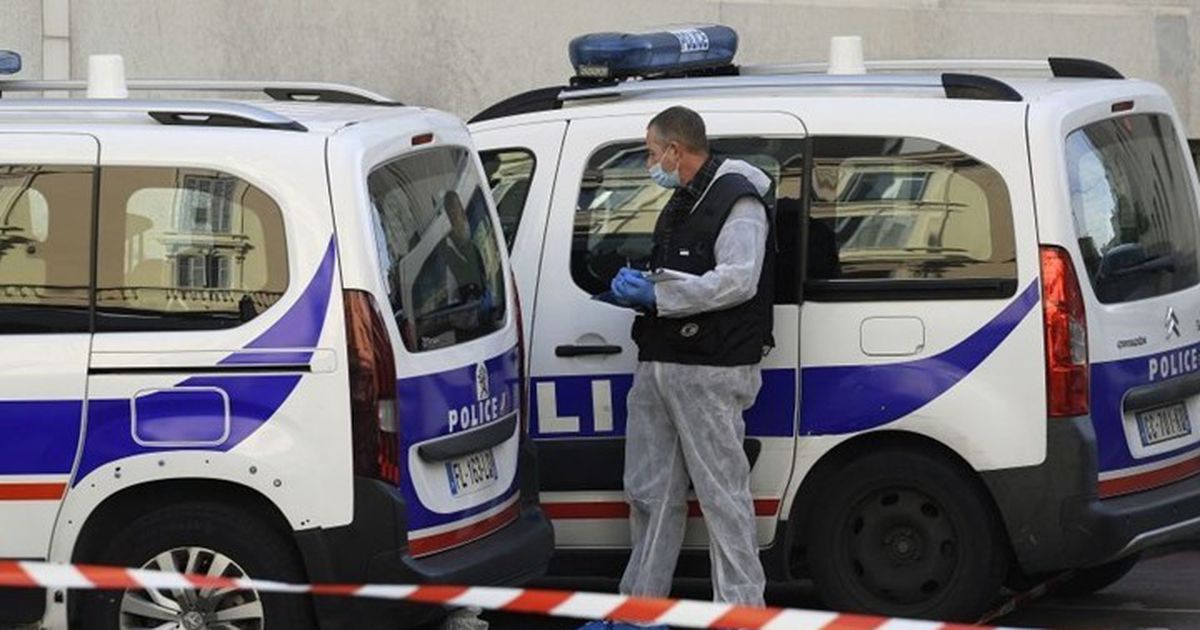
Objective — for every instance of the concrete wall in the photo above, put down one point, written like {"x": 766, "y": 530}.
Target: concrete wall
{"x": 462, "y": 55}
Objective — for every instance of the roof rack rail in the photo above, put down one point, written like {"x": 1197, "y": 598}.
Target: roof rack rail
{"x": 198, "y": 113}
{"x": 906, "y": 65}
{"x": 1062, "y": 67}
{"x": 978, "y": 87}
{"x": 1076, "y": 68}
{"x": 635, "y": 87}
{"x": 537, "y": 100}
{"x": 314, "y": 92}
{"x": 963, "y": 86}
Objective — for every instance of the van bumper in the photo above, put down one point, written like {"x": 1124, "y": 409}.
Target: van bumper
{"x": 373, "y": 548}
{"x": 1056, "y": 520}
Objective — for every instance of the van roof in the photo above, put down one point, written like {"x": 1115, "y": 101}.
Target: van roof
{"x": 1024, "y": 81}
{"x": 320, "y": 108}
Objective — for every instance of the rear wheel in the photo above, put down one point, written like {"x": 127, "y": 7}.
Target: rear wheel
{"x": 905, "y": 534}
{"x": 210, "y": 539}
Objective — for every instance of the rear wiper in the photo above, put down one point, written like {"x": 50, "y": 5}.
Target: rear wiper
{"x": 1164, "y": 262}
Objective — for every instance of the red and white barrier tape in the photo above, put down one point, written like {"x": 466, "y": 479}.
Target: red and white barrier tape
{"x": 1020, "y": 599}
{"x": 579, "y": 605}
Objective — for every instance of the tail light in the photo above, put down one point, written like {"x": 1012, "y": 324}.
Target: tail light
{"x": 523, "y": 384}
{"x": 374, "y": 414}
{"x": 1066, "y": 335}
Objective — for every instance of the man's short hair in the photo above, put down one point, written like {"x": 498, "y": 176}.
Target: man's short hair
{"x": 682, "y": 125}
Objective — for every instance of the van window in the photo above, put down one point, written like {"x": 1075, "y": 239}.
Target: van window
{"x": 184, "y": 249}
{"x": 906, "y": 215}
{"x": 1133, "y": 207}
{"x": 509, "y": 173}
{"x": 45, "y": 246}
{"x": 442, "y": 260}
{"x": 619, "y": 205}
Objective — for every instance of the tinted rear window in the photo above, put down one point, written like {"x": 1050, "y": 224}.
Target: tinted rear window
{"x": 1133, "y": 207}
{"x": 435, "y": 236}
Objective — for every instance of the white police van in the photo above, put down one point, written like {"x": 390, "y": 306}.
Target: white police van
{"x": 987, "y": 311}
{"x": 273, "y": 338}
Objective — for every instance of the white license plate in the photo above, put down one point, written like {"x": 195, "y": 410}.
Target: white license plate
{"x": 1164, "y": 423}
{"x": 472, "y": 473}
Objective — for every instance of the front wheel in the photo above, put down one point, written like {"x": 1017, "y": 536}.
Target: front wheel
{"x": 210, "y": 539}
{"x": 905, "y": 534}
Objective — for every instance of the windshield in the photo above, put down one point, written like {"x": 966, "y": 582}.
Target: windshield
{"x": 436, "y": 239}
{"x": 1133, "y": 208}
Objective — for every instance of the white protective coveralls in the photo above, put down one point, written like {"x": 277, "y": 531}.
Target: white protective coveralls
{"x": 685, "y": 422}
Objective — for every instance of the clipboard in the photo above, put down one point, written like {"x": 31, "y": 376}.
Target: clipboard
{"x": 608, "y": 297}
{"x": 669, "y": 275}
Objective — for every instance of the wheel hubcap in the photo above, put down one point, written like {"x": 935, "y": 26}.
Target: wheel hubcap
{"x": 901, "y": 546}
{"x": 192, "y": 609}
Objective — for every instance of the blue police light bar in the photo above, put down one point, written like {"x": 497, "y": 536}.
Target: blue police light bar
{"x": 10, "y": 62}
{"x": 673, "y": 51}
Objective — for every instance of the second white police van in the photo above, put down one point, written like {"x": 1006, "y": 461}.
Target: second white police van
{"x": 987, "y": 311}
{"x": 272, "y": 338}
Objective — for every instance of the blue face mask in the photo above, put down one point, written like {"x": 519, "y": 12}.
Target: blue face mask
{"x": 666, "y": 179}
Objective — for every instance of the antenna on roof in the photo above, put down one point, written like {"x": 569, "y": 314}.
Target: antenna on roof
{"x": 106, "y": 77}
{"x": 846, "y": 55}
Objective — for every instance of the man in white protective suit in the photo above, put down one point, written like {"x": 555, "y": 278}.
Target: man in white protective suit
{"x": 703, "y": 327}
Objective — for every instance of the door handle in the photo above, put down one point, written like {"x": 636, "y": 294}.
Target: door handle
{"x": 585, "y": 350}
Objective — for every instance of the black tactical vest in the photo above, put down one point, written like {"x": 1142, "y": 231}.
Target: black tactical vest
{"x": 683, "y": 241}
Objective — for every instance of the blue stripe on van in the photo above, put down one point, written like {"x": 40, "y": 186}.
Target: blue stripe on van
{"x": 40, "y": 436}
{"x": 1111, "y": 380}
{"x": 852, "y": 398}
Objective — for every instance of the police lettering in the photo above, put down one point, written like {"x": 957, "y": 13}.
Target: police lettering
{"x": 1173, "y": 364}
{"x": 482, "y": 412}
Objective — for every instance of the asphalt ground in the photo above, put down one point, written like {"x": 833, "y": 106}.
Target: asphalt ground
{"x": 1162, "y": 591}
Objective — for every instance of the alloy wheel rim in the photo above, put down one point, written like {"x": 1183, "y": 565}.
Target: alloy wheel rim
{"x": 192, "y": 608}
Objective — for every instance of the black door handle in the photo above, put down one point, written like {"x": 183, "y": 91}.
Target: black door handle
{"x": 585, "y": 350}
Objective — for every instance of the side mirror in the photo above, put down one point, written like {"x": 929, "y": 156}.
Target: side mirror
{"x": 10, "y": 62}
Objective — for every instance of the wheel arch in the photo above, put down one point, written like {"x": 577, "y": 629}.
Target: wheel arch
{"x": 121, "y": 507}
{"x": 850, "y": 450}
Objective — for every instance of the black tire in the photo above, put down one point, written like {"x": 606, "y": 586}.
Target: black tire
{"x": 1097, "y": 578}
{"x": 256, "y": 549}
{"x": 905, "y": 534}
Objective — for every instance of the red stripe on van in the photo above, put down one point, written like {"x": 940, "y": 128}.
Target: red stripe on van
{"x": 32, "y": 491}
{"x": 1152, "y": 479}
{"x": 427, "y": 545}
{"x": 572, "y": 510}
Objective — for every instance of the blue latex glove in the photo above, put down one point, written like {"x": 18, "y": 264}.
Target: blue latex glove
{"x": 631, "y": 286}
